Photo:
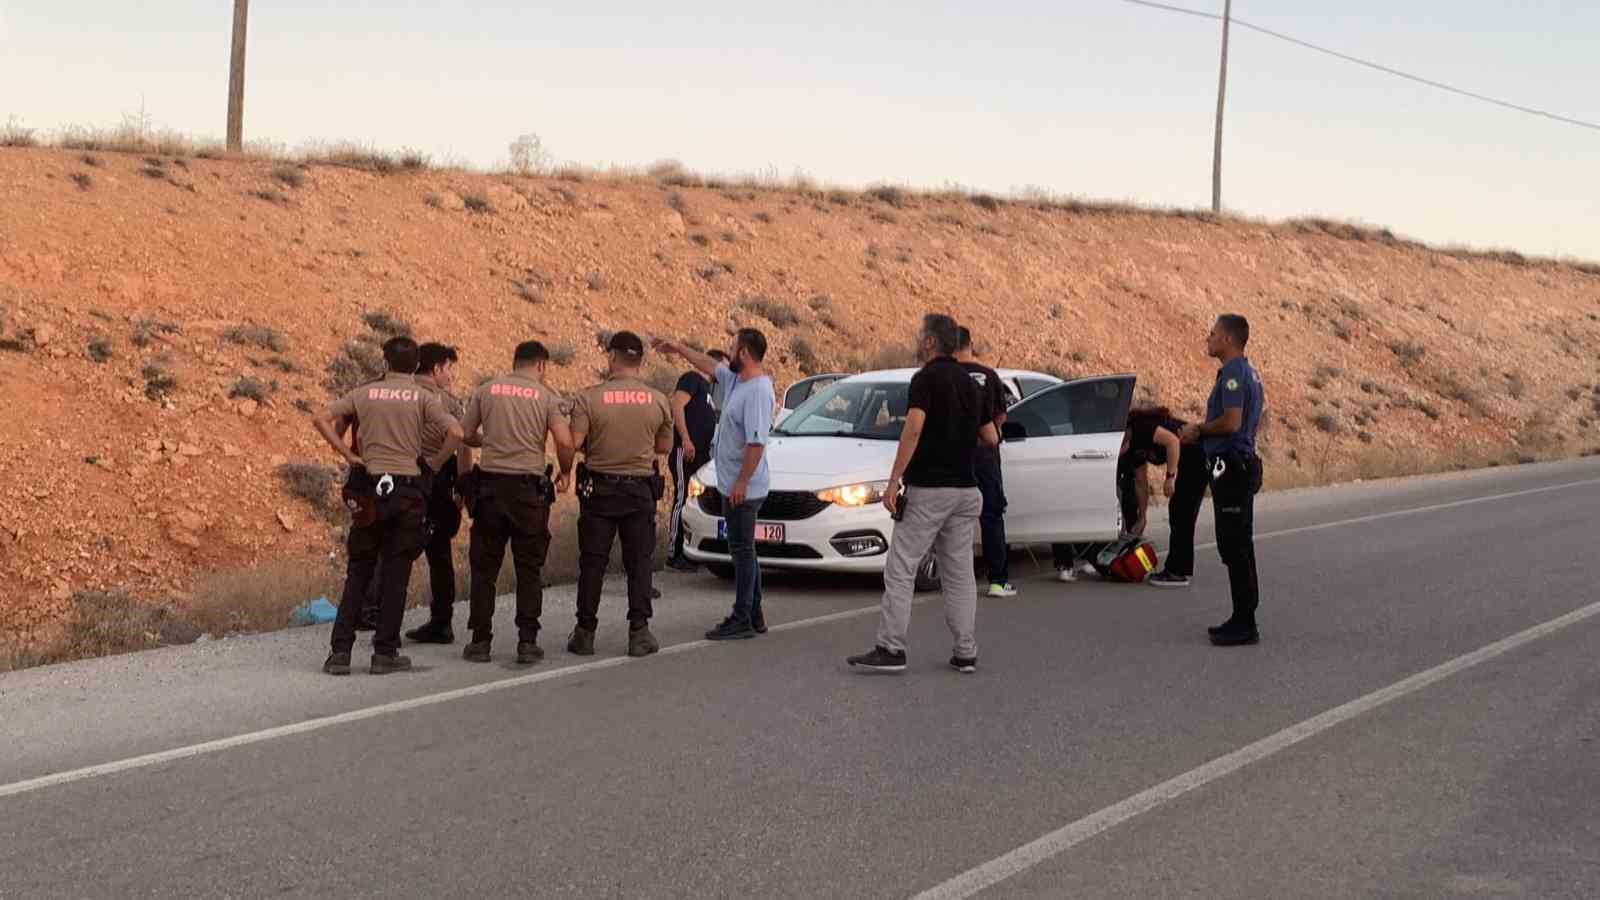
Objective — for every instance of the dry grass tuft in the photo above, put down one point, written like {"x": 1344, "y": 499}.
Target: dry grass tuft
{"x": 289, "y": 175}
{"x": 357, "y": 363}
{"x": 774, "y": 311}
{"x": 563, "y": 354}
{"x": 252, "y": 335}
{"x": 101, "y": 349}
{"x": 159, "y": 380}
{"x": 314, "y": 483}
{"x": 83, "y": 180}
{"x": 387, "y": 324}
{"x": 251, "y": 389}
{"x": 888, "y": 193}
{"x": 805, "y": 356}
{"x": 260, "y": 598}
{"x": 988, "y": 202}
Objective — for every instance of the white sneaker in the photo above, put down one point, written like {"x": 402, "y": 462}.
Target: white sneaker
{"x": 1087, "y": 568}
{"x": 1002, "y": 590}
{"x": 1066, "y": 574}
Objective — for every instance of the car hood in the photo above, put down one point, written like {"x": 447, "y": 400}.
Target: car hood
{"x": 815, "y": 463}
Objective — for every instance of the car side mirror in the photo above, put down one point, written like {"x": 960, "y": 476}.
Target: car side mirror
{"x": 1013, "y": 431}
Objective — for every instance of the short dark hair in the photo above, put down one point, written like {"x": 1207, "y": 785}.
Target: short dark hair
{"x": 944, "y": 331}
{"x": 432, "y": 355}
{"x": 717, "y": 355}
{"x": 963, "y": 338}
{"x": 400, "y": 354}
{"x": 752, "y": 340}
{"x": 529, "y": 353}
{"x": 1237, "y": 326}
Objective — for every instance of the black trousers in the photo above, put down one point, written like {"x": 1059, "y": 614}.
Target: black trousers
{"x": 1233, "y": 501}
{"x": 680, "y": 496}
{"x": 396, "y": 539}
{"x": 509, "y": 510}
{"x": 992, "y": 521}
{"x": 617, "y": 509}
{"x": 442, "y": 524}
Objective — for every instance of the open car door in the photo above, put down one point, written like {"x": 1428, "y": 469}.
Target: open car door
{"x": 1060, "y": 461}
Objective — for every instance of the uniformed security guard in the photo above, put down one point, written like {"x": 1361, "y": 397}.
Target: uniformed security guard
{"x": 509, "y": 495}
{"x": 388, "y": 492}
{"x": 1228, "y": 440}
{"x": 623, "y": 425}
{"x": 437, "y": 371}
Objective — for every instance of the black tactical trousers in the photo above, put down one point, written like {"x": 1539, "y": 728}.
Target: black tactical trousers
{"x": 624, "y": 509}
{"x": 1183, "y": 510}
{"x": 395, "y": 538}
{"x": 1233, "y": 500}
{"x": 510, "y": 509}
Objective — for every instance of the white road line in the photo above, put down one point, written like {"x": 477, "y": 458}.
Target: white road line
{"x": 1068, "y": 836}
{"x": 371, "y": 712}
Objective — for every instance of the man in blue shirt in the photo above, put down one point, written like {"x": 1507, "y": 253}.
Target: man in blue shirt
{"x": 1233, "y": 472}
{"x": 739, "y": 452}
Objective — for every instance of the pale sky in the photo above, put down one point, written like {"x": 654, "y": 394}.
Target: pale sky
{"x": 1089, "y": 97}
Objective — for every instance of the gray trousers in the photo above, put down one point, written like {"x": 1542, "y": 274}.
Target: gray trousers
{"x": 946, "y": 521}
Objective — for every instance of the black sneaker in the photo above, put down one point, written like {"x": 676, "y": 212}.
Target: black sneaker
{"x": 1236, "y": 636}
{"x": 477, "y": 651}
{"x": 581, "y": 643}
{"x": 964, "y": 666}
{"x": 432, "y": 633}
{"x": 758, "y": 622}
{"x": 1165, "y": 579}
{"x": 384, "y": 663}
{"x": 337, "y": 664}
{"x": 1215, "y": 630}
{"x": 731, "y": 629}
{"x": 682, "y": 564}
{"x": 879, "y": 660}
{"x": 529, "y": 653}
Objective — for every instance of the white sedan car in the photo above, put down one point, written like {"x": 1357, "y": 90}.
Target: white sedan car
{"x": 830, "y": 462}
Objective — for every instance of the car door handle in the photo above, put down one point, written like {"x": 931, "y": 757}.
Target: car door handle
{"x": 1091, "y": 454}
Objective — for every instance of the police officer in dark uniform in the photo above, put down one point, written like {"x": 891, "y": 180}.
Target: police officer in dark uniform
{"x": 388, "y": 492}
{"x": 509, "y": 494}
{"x": 623, "y": 426}
{"x": 1228, "y": 440}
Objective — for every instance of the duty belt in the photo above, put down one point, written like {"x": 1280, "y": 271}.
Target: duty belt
{"x": 606, "y": 476}
{"x": 384, "y": 485}
{"x": 506, "y": 476}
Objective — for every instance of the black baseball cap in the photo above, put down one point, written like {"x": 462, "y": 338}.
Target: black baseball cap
{"x": 626, "y": 342}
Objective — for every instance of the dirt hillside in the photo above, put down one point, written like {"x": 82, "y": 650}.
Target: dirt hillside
{"x": 168, "y": 322}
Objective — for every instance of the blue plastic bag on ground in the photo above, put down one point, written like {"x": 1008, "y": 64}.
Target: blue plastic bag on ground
{"x": 317, "y": 612}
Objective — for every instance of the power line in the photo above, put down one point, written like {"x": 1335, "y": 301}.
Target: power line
{"x": 1369, "y": 64}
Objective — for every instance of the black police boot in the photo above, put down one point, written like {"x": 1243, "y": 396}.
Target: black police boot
{"x": 529, "y": 653}
{"x": 478, "y": 650}
{"x": 337, "y": 664}
{"x": 582, "y": 642}
{"x": 1218, "y": 629}
{"x": 385, "y": 663}
{"x": 641, "y": 642}
{"x": 432, "y": 633}
{"x": 1236, "y": 635}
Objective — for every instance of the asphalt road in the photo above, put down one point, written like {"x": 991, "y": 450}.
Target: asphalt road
{"x": 765, "y": 768}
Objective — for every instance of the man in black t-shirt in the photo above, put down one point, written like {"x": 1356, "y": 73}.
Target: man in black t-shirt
{"x": 944, "y": 423}
{"x": 986, "y": 467}
{"x": 694, "y": 424}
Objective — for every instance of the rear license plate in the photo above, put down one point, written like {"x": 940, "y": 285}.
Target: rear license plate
{"x": 766, "y": 532}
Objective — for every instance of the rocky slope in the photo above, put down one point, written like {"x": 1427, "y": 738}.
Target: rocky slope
{"x": 167, "y": 323}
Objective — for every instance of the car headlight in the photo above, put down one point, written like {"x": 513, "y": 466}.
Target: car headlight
{"x": 696, "y": 488}
{"x": 855, "y": 494}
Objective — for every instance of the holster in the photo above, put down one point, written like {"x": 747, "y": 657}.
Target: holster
{"x": 467, "y": 488}
{"x": 360, "y": 497}
{"x": 549, "y": 486}
{"x": 658, "y": 482}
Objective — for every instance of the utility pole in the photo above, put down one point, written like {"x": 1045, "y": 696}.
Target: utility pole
{"x": 1222, "y": 92}
{"x": 241, "y": 13}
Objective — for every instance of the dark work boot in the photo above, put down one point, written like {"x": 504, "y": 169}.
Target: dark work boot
{"x": 582, "y": 642}
{"x": 529, "y": 653}
{"x": 385, "y": 663}
{"x": 432, "y": 633}
{"x": 477, "y": 651}
{"x": 641, "y": 642}
{"x": 1236, "y": 635}
{"x": 337, "y": 664}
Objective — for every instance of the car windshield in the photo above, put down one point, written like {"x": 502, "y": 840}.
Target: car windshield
{"x": 872, "y": 410}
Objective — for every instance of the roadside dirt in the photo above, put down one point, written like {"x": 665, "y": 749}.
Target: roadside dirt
{"x": 128, "y": 286}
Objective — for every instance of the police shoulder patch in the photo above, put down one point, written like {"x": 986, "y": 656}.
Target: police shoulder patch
{"x": 1233, "y": 384}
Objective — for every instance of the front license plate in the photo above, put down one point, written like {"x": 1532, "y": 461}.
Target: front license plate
{"x": 766, "y": 532}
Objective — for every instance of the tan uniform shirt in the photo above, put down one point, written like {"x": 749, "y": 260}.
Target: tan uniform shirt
{"x": 515, "y": 412}
{"x": 433, "y": 436}
{"x": 391, "y": 415}
{"x": 622, "y": 419}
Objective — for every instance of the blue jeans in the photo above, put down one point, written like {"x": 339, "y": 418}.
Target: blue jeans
{"x": 746, "y": 568}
